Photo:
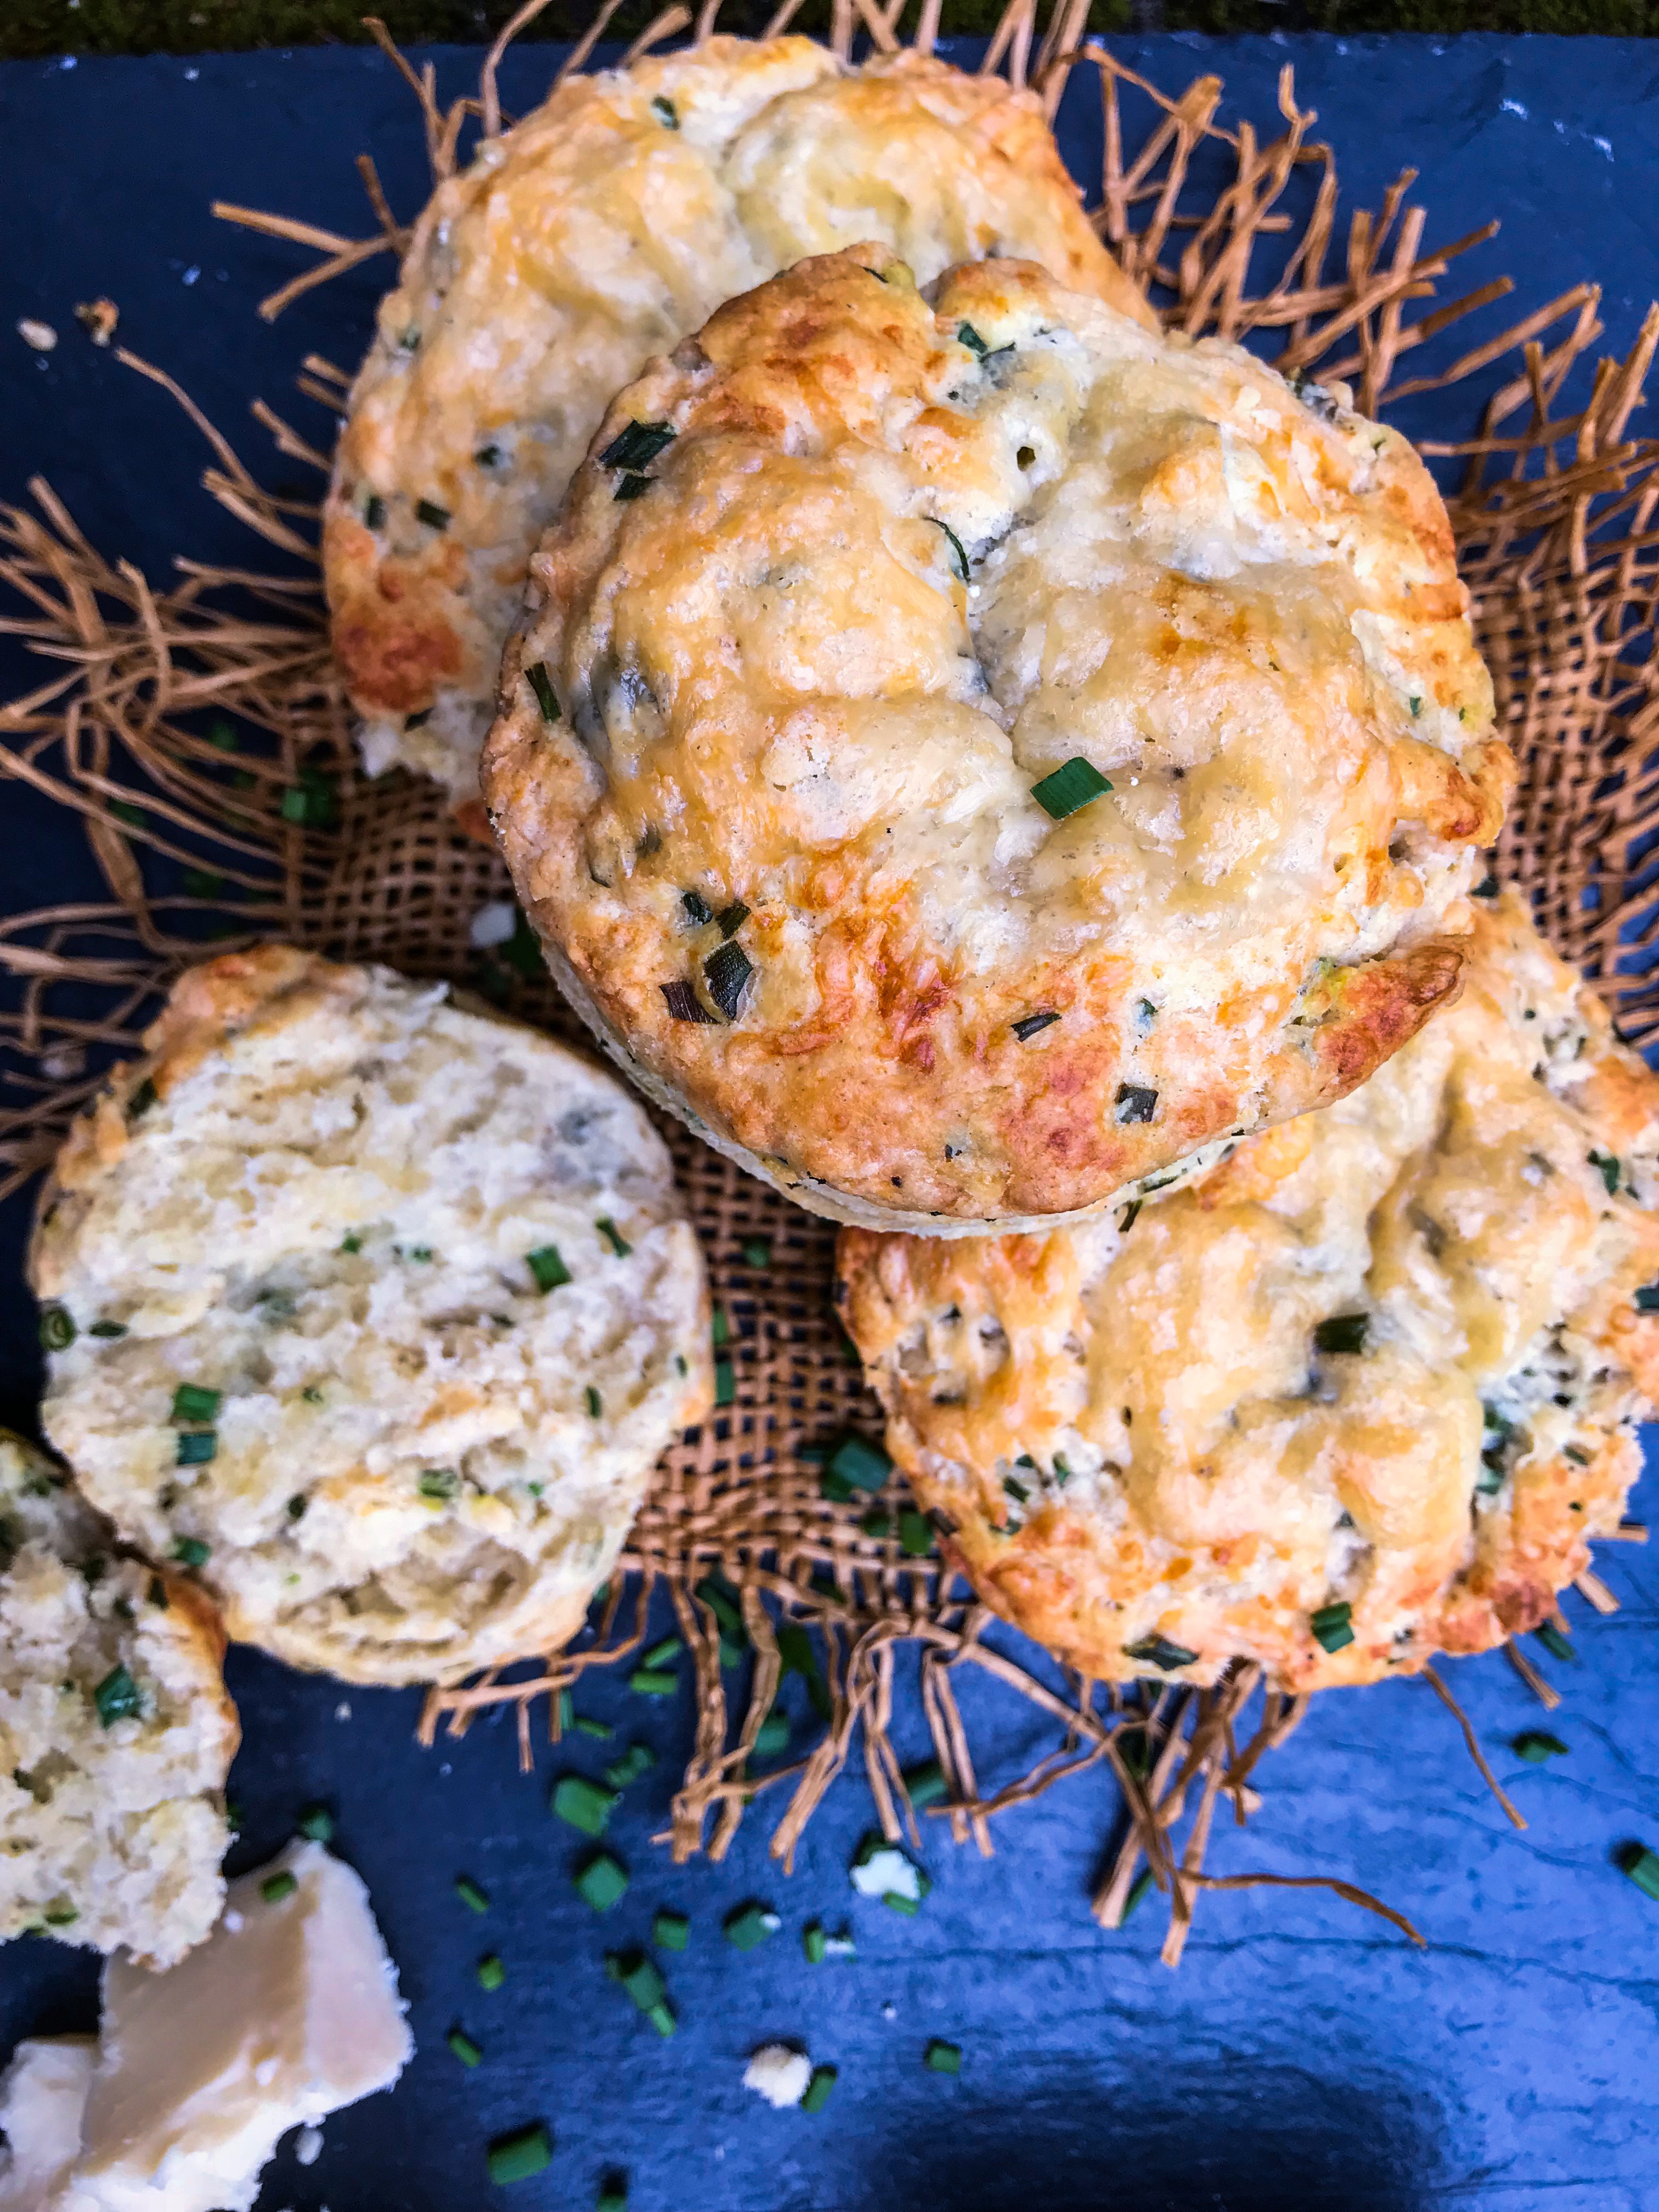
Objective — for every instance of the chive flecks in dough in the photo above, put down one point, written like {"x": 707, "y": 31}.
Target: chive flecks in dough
{"x": 594, "y": 1403}
{"x": 57, "y": 1329}
{"x": 1572, "y": 1452}
{"x": 1342, "y": 1334}
{"x": 296, "y": 1507}
{"x": 1016, "y": 1491}
{"x": 1416, "y": 705}
{"x": 548, "y": 1268}
{"x": 1130, "y": 1215}
{"x": 1028, "y": 1025}
{"x": 141, "y": 1100}
{"x": 666, "y": 112}
{"x": 684, "y": 1005}
{"x": 1333, "y": 1625}
{"x": 487, "y": 456}
{"x": 1488, "y": 887}
{"x": 726, "y": 1383}
{"x": 1646, "y": 1300}
{"x": 196, "y": 1447}
{"x": 1135, "y": 1103}
{"x": 969, "y": 336}
{"x": 374, "y": 511}
{"x": 114, "y": 1328}
{"x": 434, "y": 516}
{"x": 541, "y": 682}
{"x": 1075, "y": 784}
{"x": 958, "y": 555}
{"x": 696, "y": 909}
{"x": 730, "y": 919}
{"x": 191, "y": 1552}
{"x": 275, "y": 1886}
{"x": 1609, "y": 1169}
{"x": 117, "y": 1698}
{"x": 636, "y": 446}
{"x": 194, "y": 1402}
{"x": 439, "y": 1482}
{"x": 1160, "y": 1651}
{"x": 632, "y": 487}
{"x": 727, "y": 971}
{"x": 613, "y": 1236}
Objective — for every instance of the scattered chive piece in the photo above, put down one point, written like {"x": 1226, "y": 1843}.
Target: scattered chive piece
{"x": 1016, "y": 1491}
{"x": 662, "y": 2019}
{"x": 773, "y": 1735}
{"x": 57, "y": 1329}
{"x": 141, "y": 1100}
{"x": 632, "y": 487}
{"x": 601, "y": 1731}
{"x": 1161, "y": 1653}
{"x": 816, "y": 2095}
{"x": 110, "y": 1329}
{"x": 65, "y": 1916}
{"x": 640, "y": 1978}
{"x": 1028, "y": 1025}
{"x": 968, "y": 336}
{"x": 915, "y": 1533}
{"x": 527, "y": 2151}
{"x": 958, "y": 556}
{"x": 548, "y": 1268}
{"x": 117, "y": 1696}
{"x": 925, "y": 1784}
{"x": 719, "y": 1329}
{"x": 815, "y": 1943}
{"x": 192, "y": 1403}
{"x": 296, "y": 1508}
{"x": 583, "y": 1804}
{"x": 196, "y": 1447}
{"x": 613, "y": 1236}
{"x": 463, "y": 2047}
{"x": 439, "y": 1482}
{"x": 1135, "y": 1103}
{"x": 749, "y": 1927}
{"x": 491, "y": 1973}
{"x": 1609, "y": 1168}
{"x": 636, "y": 445}
{"x": 1076, "y": 784}
{"x": 1642, "y": 1866}
{"x": 1332, "y": 1625}
{"x": 726, "y": 1383}
{"x": 541, "y": 682}
{"x": 730, "y": 919}
{"x": 1137, "y": 1889}
{"x": 727, "y": 971}
{"x": 653, "y": 1682}
{"x": 1415, "y": 702}
{"x": 487, "y": 456}
{"x": 202, "y": 883}
{"x": 1341, "y": 1334}
{"x": 311, "y": 801}
{"x": 717, "y": 1595}
{"x": 666, "y": 114}
{"x": 1536, "y": 1744}
{"x": 602, "y": 1882}
{"x": 595, "y": 1404}
{"x": 660, "y": 1654}
{"x": 275, "y": 1886}
{"x": 683, "y": 1004}
{"x": 351, "y": 1242}
{"x": 434, "y": 516}
{"x": 858, "y": 1461}
{"x": 1554, "y": 1643}
{"x": 757, "y": 1252}
{"x": 613, "y": 2198}
{"x": 671, "y": 1931}
{"x": 374, "y": 511}
{"x": 877, "y": 1522}
{"x": 123, "y": 811}
{"x": 896, "y": 1901}
{"x": 943, "y": 2057}
{"x": 191, "y": 1552}
{"x": 639, "y": 1759}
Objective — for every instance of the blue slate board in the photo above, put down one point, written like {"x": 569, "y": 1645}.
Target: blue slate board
{"x": 1304, "y": 2056}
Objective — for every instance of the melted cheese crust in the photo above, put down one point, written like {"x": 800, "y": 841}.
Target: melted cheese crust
{"x": 810, "y": 660}
{"x": 610, "y": 222}
{"x": 1131, "y": 1430}
{"x": 320, "y": 1198}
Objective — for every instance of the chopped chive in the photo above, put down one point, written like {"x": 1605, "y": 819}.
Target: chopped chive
{"x": 730, "y": 920}
{"x": 57, "y": 1329}
{"x": 1572, "y": 1452}
{"x": 352, "y": 1242}
{"x": 141, "y": 1100}
{"x": 662, "y": 2019}
{"x": 696, "y": 909}
{"x": 470, "y": 1895}
{"x": 1137, "y": 1889}
{"x": 1161, "y": 1652}
{"x": 1554, "y": 1643}
{"x": 275, "y": 1886}
{"x": 1028, "y": 1025}
{"x": 632, "y": 487}
{"x": 311, "y": 802}
{"x": 666, "y": 112}
{"x": 195, "y": 1448}
{"x": 202, "y": 883}
{"x": 491, "y": 1973}
{"x": 639, "y": 1759}
{"x": 717, "y": 1595}
{"x": 602, "y": 1882}
{"x": 613, "y": 1236}
{"x": 773, "y": 1735}
{"x": 316, "y": 1824}
{"x": 726, "y": 1383}
{"x": 660, "y": 1655}
{"x": 942, "y": 2057}
{"x": 653, "y": 1682}
{"x": 1135, "y": 1103}
{"x": 858, "y": 1461}
{"x": 487, "y": 456}
{"x": 1332, "y": 1625}
{"x": 547, "y": 1267}
{"x": 374, "y": 511}
{"x": 541, "y": 682}
{"x": 191, "y": 1552}
{"x": 613, "y": 2198}
{"x": 62, "y": 1916}
{"x": 107, "y": 1328}
{"x": 877, "y": 1522}
{"x": 815, "y": 1943}
{"x": 439, "y": 1482}
{"x": 583, "y": 1804}
{"x": 958, "y": 556}
{"x": 516, "y": 2157}
{"x": 727, "y": 971}
{"x": 719, "y": 1329}
{"x": 434, "y": 516}
{"x": 463, "y": 2047}
{"x": 836, "y": 1487}
{"x": 192, "y": 1403}
{"x": 593, "y": 1402}
{"x": 1415, "y": 702}
{"x": 816, "y": 2095}
{"x": 1536, "y": 1744}
{"x": 1642, "y": 1866}
{"x": 1342, "y": 1333}
{"x": 757, "y": 1252}
{"x": 134, "y": 817}
{"x": 683, "y": 1004}
{"x": 749, "y": 1926}
{"x": 968, "y": 336}
{"x": 1016, "y": 1491}
{"x": 1647, "y": 1299}
{"x": 636, "y": 445}
{"x": 925, "y": 1784}
{"x": 896, "y": 1901}
{"x": 1609, "y": 1168}
{"x": 296, "y": 1508}
{"x": 671, "y": 1931}
{"x": 601, "y": 1731}
{"x": 915, "y": 1533}
{"x": 117, "y": 1698}
{"x": 1074, "y": 784}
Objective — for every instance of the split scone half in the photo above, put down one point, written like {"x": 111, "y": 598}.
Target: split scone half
{"x": 603, "y": 227}
{"x": 116, "y": 1734}
{"x": 968, "y": 758}
{"x": 1364, "y": 1395}
{"x": 372, "y": 1312}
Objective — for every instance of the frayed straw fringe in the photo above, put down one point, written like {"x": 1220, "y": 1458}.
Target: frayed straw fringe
{"x": 1557, "y": 522}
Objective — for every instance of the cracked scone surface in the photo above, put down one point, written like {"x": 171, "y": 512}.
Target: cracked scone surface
{"x": 1389, "y": 1357}
{"x": 404, "y": 1306}
{"x": 116, "y": 1734}
{"x": 606, "y": 225}
{"x": 771, "y": 767}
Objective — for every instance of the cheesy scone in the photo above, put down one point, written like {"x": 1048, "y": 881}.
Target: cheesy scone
{"x": 372, "y": 1311}
{"x": 1364, "y": 1395}
{"x": 116, "y": 1734}
{"x": 969, "y": 757}
{"x": 601, "y": 229}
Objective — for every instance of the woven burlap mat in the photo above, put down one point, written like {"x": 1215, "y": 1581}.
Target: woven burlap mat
{"x": 1553, "y": 504}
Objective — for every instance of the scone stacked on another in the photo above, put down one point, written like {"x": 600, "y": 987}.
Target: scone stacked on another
{"x": 116, "y": 1734}
{"x": 614, "y": 219}
{"x": 969, "y": 757}
{"x": 1365, "y": 1394}
{"x": 373, "y": 1311}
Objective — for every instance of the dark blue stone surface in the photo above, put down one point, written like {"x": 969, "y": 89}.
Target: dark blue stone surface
{"x": 1304, "y": 2056}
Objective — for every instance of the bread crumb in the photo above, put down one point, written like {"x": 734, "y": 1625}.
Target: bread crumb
{"x": 40, "y": 335}
{"x": 778, "y": 2074}
{"x": 98, "y": 317}
{"x": 308, "y": 2146}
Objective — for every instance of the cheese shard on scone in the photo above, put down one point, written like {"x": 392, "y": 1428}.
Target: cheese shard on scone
{"x": 43, "y": 2094}
{"x": 116, "y": 1733}
{"x": 602, "y": 228}
{"x": 1365, "y": 1394}
{"x": 370, "y": 1312}
{"x": 288, "y": 2011}
{"x": 970, "y": 754}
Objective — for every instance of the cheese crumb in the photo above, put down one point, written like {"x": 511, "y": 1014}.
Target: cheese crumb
{"x": 40, "y": 335}
{"x": 887, "y": 1873}
{"x": 308, "y": 2148}
{"x": 778, "y": 2074}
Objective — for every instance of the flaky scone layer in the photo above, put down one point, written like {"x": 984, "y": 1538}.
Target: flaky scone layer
{"x": 1387, "y": 1357}
{"x": 601, "y": 229}
{"x": 374, "y": 1310}
{"x": 772, "y": 767}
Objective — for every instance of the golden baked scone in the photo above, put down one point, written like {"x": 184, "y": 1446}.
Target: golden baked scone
{"x": 608, "y": 223}
{"x": 1364, "y": 1395}
{"x": 968, "y": 758}
{"x": 374, "y": 1311}
{"x": 116, "y": 1734}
